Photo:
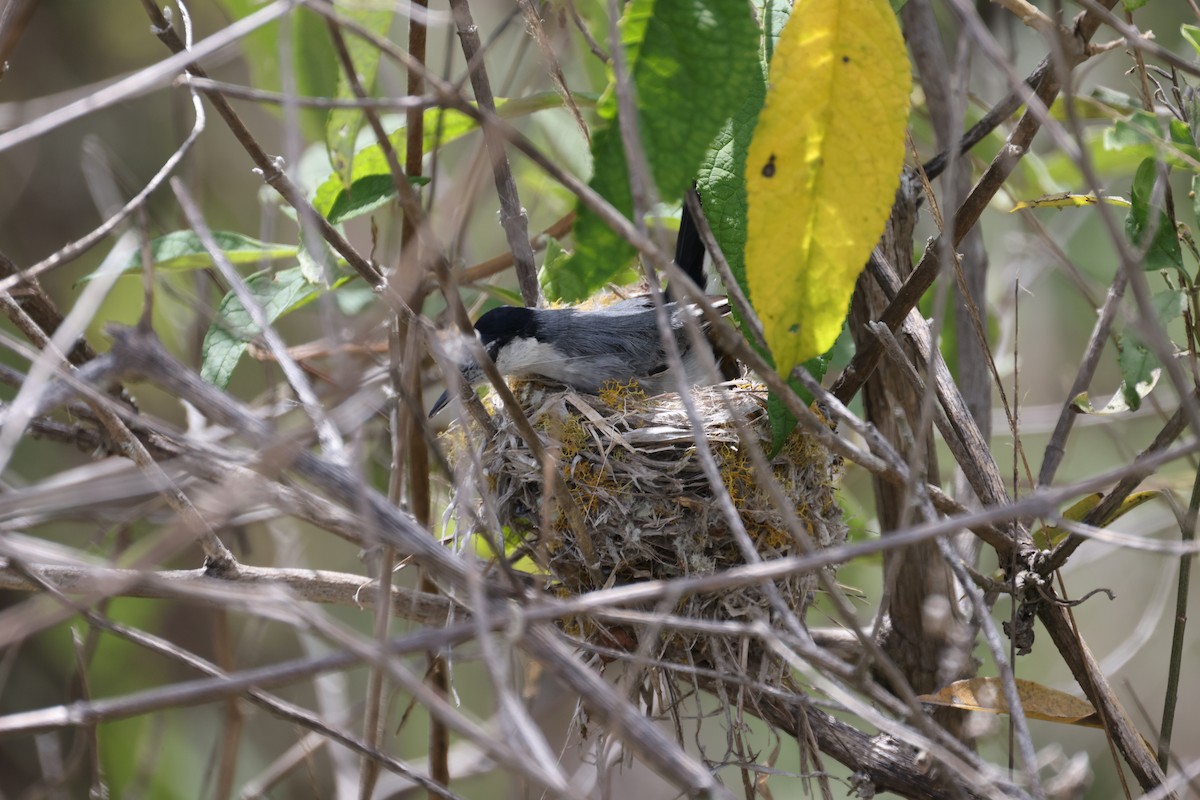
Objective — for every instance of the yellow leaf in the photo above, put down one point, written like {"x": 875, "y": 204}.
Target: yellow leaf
{"x": 823, "y": 168}
{"x": 1130, "y": 503}
{"x": 1049, "y": 536}
{"x": 1068, "y": 200}
{"x": 1038, "y": 701}
{"x": 512, "y": 542}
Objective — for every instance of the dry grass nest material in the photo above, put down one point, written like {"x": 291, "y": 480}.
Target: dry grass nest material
{"x": 643, "y": 504}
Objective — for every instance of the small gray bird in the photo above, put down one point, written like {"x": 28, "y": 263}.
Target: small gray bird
{"x": 586, "y": 349}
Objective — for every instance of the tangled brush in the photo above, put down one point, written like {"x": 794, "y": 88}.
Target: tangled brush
{"x": 641, "y": 508}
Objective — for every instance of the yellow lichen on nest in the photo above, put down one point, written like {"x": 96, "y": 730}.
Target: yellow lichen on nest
{"x": 615, "y": 394}
{"x": 631, "y": 469}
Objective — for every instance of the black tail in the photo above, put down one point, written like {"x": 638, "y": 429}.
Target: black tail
{"x": 689, "y": 249}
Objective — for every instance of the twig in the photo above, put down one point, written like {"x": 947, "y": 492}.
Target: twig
{"x": 1108, "y": 506}
{"x": 736, "y": 295}
{"x": 13, "y": 22}
{"x": 1004, "y": 665}
{"x": 409, "y": 102}
{"x": 1095, "y": 684}
{"x": 66, "y": 254}
{"x": 493, "y": 266}
{"x": 1056, "y": 447}
{"x": 269, "y": 168}
{"x": 512, "y": 215}
{"x": 89, "y": 712}
{"x": 1030, "y": 15}
{"x": 968, "y": 213}
{"x": 148, "y": 79}
{"x": 249, "y": 588}
{"x": 621, "y": 719}
{"x": 331, "y": 439}
{"x": 144, "y": 355}
{"x": 537, "y": 30}
{"x": 586, "y": 32}
{"x": 1137, "y": 40}
{"x": 1175, "y": 662}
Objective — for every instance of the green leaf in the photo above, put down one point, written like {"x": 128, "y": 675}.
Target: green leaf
{"x": 1121, "y": 101}
{"x": 1137, "y": 364}
{"x": 506, "y": 297}
{"x": 1050, "y": 536}
{"x": 1195, "y": 195}
{"x": 1147, "y": 135}
{"x": 232, "y": 330}
{"x": 315, "y": 67}
{"x": 783, "y": 422}
{"x": 1191, "y": 35}
{"x": 1119, "y": 402}
{"x": 353, "y": 298}
{"x": 513, "y": 542}
{"x": 181, "y": 250}
{"x": 678, "y": 52}
{"x": 343, "y": 124}
{"x": 552, "y": 262}
{"x": 721, "y": 180}
{"x": 721, "y": 183}
{"x": 260, "y": 46}
{"x": 316, "y": 266}
{"x": 370, "y": 180}
{"x": 1168, "y": 305}
{"x": 314, "y": 64}
{"x": 1181, "y": 133}
{"x": 455, "y": 124}
{"x": 1133, "y": 5}
{"x": 1163, "y": 252}
{"x": 773, "y": 15}
{"x": 1139, "y": 129}
{"x": 364, "y": 194}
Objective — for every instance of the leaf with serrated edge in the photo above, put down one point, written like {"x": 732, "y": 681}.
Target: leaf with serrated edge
{"x": 232, "y": 330}
{"x": 678, "y": 52}
{"x": 370, "y": 178}
{"x": 343, "y": 124}
{"x": 823, "y": 168}
{"x": 179, "y": 251}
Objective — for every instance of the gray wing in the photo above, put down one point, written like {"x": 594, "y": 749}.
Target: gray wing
{"x": 618, "y": 342}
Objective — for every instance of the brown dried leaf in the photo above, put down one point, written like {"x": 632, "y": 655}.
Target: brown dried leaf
{"x": 1038, "y": 701}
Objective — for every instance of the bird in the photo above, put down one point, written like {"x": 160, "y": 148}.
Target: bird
{"x": 586, "y": 348}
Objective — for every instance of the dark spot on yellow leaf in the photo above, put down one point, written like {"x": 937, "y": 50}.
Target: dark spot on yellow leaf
{"x": 769, "y": 170}
{"x": 845, "y": 59}
{"x": 795, "y": 328}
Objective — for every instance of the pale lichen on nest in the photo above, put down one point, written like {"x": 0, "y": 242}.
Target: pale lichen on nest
{"x": 630, "y": 465}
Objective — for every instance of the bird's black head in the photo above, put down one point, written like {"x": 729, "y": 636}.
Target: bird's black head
{"x": 501, "y": 325}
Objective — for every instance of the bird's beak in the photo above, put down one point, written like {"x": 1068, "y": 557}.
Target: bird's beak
{"x": 471, "y": 376}
{"x": 440, "y": 404}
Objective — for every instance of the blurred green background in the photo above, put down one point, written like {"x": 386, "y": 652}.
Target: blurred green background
{"x": 72, "y": 47}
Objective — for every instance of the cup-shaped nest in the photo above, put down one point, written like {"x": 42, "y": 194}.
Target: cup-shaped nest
{"x": 634, "y": 502}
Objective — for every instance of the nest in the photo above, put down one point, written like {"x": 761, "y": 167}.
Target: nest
{"x": 641, "y": 507}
